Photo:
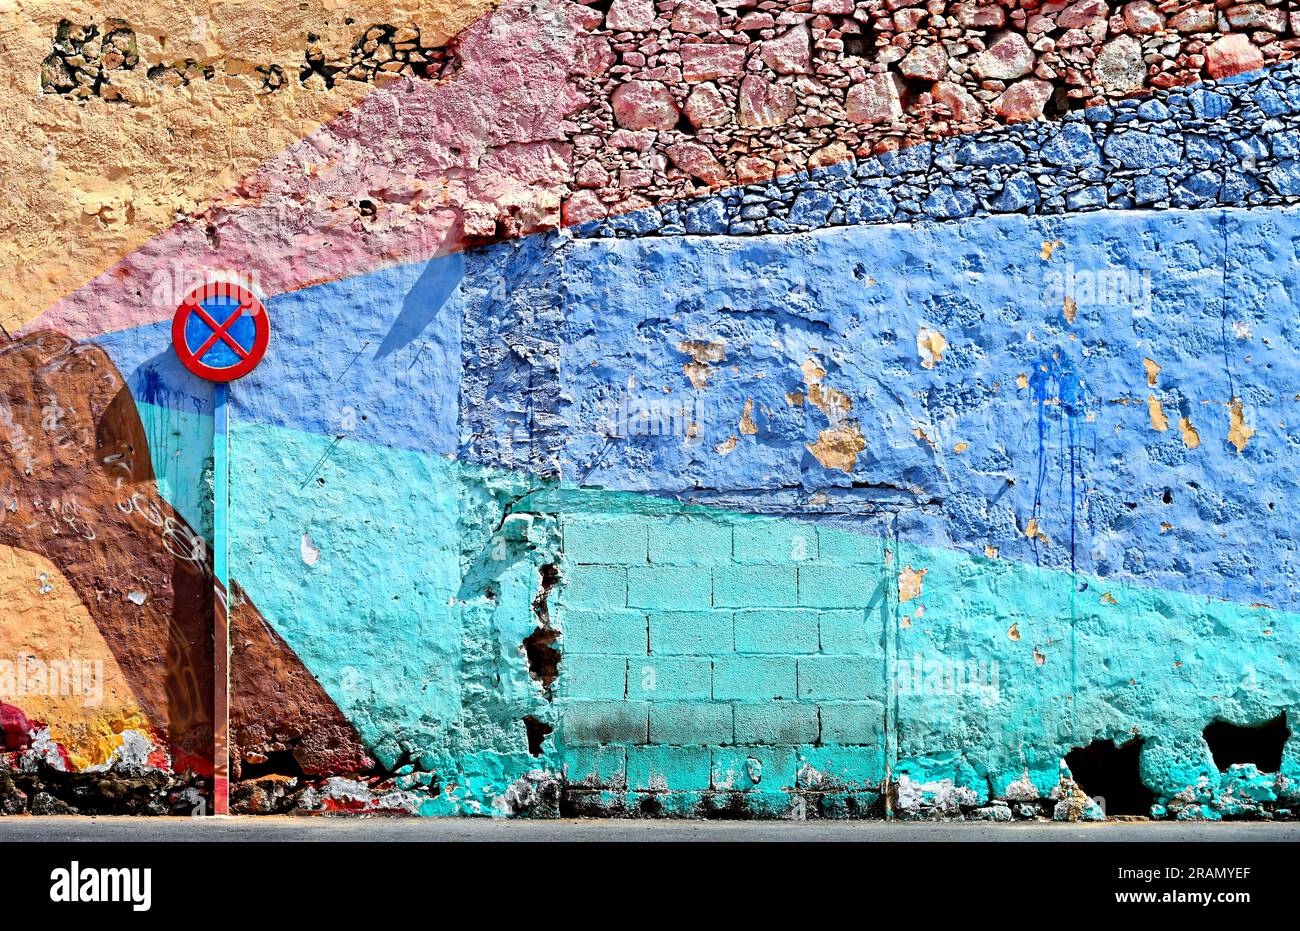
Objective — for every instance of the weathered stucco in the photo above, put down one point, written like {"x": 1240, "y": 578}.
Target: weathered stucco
{"x": 818, "y": 409}
{"x": 87, "y": 183}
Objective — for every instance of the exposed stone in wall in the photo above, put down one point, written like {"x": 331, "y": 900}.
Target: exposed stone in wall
{"x": 689, "y": 96}
{"x": 382, "y": 51}
{"x": 1232, "y": 143}
{"x": 555, "y": 149}
{"x": 82, "y": 61}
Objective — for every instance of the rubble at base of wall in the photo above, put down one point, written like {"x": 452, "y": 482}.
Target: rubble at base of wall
{"x": 1242, "y": 794}
{"x": 42, "y": 789}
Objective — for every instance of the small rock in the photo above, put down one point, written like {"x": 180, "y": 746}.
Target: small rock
{"x": 1006, "y": 58}
{"x": 877, "y": 99}
{"x": 1232, "y": 54}
{"x": 1023, "y": 100}
{"x": 644, "y": 105}
{"x": 789, "y": 53}
{"x": 925, "y": 62}
{"x": 630, "y": 15}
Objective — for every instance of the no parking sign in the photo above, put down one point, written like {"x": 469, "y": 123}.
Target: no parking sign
{"x": 221, "y": 331}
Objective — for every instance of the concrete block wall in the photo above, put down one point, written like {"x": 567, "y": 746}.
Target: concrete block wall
{"x": 705, "y": 657}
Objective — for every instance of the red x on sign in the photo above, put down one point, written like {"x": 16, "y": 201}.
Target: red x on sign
{"x": 221, "y": 331}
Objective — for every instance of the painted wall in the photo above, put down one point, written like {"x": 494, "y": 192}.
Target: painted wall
{"x": 739, "y": 409}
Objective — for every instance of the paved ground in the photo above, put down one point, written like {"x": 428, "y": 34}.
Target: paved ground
{"x": 26, "y": 828}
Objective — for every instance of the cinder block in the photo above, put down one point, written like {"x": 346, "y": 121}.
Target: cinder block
{"x": 596, "y": 767}
{"x": 852, "y": 632}
{"x": 745, "y": 769}
{"x": 588, "y": 723}
{"x": 841, "y": 677}
{"x": 690, "y": 723}
{"x": 660, "y": 769}
{"x": 776, "y": 722}
{"x": 754, "y": 586}
{"x": 593, "y": 677}
{"x": 593, "y": 587}
{"x": 777, "y": 631}
{"x": 671, "y": 678}
{"x": 704, "y": 633}
{"x": 670, "y": 588}
{"x": 859, "y": 722}
{"x": 753, "y": 678}
{"x": 842, "y": 768}
{"x": 615, "y": 631}
{"x": 845, "y": 548}
{"x": 825, "y": 586}
{"x": 774, "y": 542}
{"x": 689, "y": 541}
{"x": 605, "y": 541}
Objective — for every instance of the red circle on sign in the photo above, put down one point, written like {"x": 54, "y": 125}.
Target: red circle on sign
{"x": 248, "y": 304}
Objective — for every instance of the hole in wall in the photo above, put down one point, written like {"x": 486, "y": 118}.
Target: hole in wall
{"x": 1260, "y": 744}
{"x": 1111, "y": 774}
{"x": 539, "y": 646}
{"x": 536, "y": 731}
{"x": 543, "y": 657}
{"x": 274, "y": 763}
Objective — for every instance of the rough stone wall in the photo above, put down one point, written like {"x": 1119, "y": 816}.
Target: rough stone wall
{"x": 736, "y": 409}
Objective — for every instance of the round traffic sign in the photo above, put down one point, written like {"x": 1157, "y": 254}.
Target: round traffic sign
{"x": 221, "y": 331}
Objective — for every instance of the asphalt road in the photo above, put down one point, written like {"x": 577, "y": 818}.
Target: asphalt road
{"x": 316, "y": 829}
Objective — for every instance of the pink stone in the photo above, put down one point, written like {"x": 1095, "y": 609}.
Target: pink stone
{"x": 833, "y": 7}
{"x": 594, "y": 56}
{"x": 974, "y": 14}
{"x": 925, "y": 62}
{"x": 639, "y": 141}
{"x": 696, "y": 16}
{"x": 644, "y": 105}
{"x": 763, "y": 103}
{"x": 750, "y": 168}
{"x": 706, "y": 107}
{"x": 832, "y": 154}
{"x": 592, "y": 174}
{"x": 705, "y": 62}
{"x": 582, "y": 207}
{"x": 878, "y": 99}
{"x": 963, "y": 107}
{"x": 1142, "y": 17}
{"x": 696, "y": 160}
{"x": 1199, "y": 18}
{"x": 755, "y": 21}
{"x": 1008, "y": 57}
{"x": 1232, "y": 54}
{"x": 789, "y": 53}
{"x": 1257, "y": 16}
{"x": 1083, "y": 14}
{"x": 1023, "y": 100}
{"x": 908, "y": 20}
{"x": 630, "y": 15}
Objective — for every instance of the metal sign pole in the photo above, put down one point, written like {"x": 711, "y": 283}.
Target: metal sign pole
{"x": 221, "y": 349}
{"x": 221, "y": 589}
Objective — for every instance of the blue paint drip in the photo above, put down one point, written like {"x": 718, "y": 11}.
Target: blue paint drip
{"x": 1056, "y": 383}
